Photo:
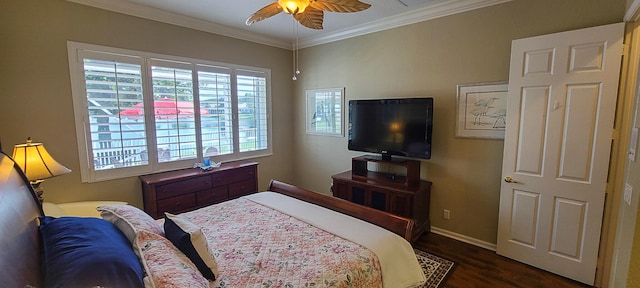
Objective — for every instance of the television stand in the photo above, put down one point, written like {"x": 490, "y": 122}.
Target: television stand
{"x": 384, "y": 158}
{"x": 405, "y": 196}
{"x": 412, "y": 168}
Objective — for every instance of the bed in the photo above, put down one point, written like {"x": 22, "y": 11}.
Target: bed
{"x": 293, "y": 242}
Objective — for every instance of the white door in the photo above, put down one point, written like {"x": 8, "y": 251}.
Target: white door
{"x": 560, "y": 112}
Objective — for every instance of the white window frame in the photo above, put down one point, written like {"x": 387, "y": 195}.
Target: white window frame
{"x": 77, "y": 52}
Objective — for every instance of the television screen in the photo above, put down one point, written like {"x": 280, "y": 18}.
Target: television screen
{"x": 391, "y": 127}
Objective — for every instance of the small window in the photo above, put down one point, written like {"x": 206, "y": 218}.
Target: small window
{"x": 139, "y": 113}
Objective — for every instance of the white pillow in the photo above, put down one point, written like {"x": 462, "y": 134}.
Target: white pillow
{"x": 189, "y": 239}
{"x": 130, "y": 220}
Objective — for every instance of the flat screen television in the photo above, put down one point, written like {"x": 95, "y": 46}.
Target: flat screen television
{"x": 389, "y": 127}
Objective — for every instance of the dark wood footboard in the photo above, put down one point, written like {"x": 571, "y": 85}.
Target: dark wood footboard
{"x": 396, "y": 224}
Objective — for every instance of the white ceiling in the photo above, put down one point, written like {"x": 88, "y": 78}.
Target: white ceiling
{"x": 227, "y": 17}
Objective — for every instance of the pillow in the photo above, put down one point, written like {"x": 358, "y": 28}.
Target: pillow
{"x": 129, "y": 220}
{"x": 87, "y": 252}
{"x": 189, "y": 239}
{"x": 164, "y": 264}
{"x": 52, "y": 209}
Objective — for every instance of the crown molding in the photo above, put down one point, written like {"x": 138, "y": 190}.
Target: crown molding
{"x": 633, "y": 11}
{"x": 414, "y": 16}
{"x": 160, "y": 15}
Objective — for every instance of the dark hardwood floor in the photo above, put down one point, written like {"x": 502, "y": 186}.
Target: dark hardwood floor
{"x": 479, "y": 267}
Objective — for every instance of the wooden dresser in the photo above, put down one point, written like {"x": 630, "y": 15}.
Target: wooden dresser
{"x": 188, "y": 189}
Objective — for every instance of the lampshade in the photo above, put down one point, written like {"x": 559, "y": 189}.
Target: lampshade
{"x": 293, "y": 6}
{"x": 35, "y": 161}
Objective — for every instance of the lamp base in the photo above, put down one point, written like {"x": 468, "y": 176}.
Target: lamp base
{"x": 36, "y": 188}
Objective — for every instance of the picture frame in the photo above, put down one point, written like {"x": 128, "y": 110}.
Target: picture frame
{"x": 324, "y": 111}
{"x": 481, "y": 110}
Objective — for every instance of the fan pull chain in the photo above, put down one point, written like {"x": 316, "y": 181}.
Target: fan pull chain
{"x": 297, "y": 50}
{"x": 296, "y": 71}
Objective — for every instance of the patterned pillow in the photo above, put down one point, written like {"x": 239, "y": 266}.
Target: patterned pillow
{"x": 130, "y": 220}
{"x": 188, "y": 237}
{"x": 164, "y": 264}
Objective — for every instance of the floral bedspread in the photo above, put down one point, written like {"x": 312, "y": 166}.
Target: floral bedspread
{"x": 256, "y": 246}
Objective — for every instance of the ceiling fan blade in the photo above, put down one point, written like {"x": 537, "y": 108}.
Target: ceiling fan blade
{"x": 311, "y": 18}
{"x": 339, "y": 5}
{"x": 264, "y": 13}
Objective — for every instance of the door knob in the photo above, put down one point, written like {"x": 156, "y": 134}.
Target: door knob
{"x": 508, "y": 179}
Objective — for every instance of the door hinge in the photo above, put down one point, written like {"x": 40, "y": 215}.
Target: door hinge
{"x": 625, "y": 49}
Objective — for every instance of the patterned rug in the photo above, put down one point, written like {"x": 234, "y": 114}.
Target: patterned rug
{"x": 435, "y": 268}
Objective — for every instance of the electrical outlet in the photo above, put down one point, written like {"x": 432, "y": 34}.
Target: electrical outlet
{"x": 628, "y": 190}
{"x": 633, "y": 144}
{"x": 446, "y": 214}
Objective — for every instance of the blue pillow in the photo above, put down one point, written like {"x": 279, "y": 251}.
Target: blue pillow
{"x": 188, "y": 237}
{"x": 87, "y": 252}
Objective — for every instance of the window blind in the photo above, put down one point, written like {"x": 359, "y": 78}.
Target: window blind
{"x": 139, "y": 112}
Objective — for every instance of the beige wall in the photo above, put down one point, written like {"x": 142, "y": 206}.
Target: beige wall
{"x": 35, "y": 88}
{"x": 430, "y": 59}
{"x": 628, "y": 248}
{"x": 633, "y": 179}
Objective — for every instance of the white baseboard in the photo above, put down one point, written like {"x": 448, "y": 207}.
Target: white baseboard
{"x": 464, "y": 238}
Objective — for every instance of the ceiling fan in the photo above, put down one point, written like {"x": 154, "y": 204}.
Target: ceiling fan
{"x": 309, "y": 13}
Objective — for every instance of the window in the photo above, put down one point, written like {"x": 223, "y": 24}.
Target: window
{"x": 138, "y": 113}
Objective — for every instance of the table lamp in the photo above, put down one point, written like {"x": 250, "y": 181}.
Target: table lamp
{"x": 37, "y": 164}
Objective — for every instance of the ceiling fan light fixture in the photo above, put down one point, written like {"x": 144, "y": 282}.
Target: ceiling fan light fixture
{"x": 293, "y": 6}
{"x": 309, "y": 13}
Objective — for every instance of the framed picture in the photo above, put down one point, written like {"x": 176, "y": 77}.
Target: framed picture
{"x": 481, "y": 110}
{"x": 324, "y": 111}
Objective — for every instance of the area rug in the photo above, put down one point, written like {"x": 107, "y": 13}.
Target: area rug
{"x": 435, "y": 268}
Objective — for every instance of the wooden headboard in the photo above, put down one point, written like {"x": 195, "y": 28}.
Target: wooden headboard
{"x": 19, "y": 240}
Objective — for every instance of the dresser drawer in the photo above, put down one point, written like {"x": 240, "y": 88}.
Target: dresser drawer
{"x": 176, "y": 204}
{"x": 211, "y": 196}
{"x": 242, "y": 188}
{"x": 221, "y": 178}
{"x": 247, "y": 173}
{"x": 183, "y": 187}
{"x": 236, "y": 175}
